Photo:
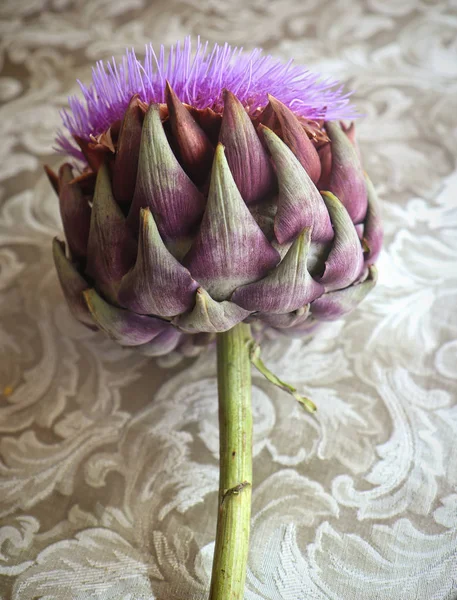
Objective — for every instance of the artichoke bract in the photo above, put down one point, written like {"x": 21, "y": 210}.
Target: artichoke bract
{"x": 197, "y": 210}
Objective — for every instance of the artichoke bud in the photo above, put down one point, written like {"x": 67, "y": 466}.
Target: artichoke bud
{"x": 345, "y": 260}
{"x": 157, "y": 284}
{"x": 127, "y": 154}
{"x": 210, "y": 316}
{"x": 230, "y": 249}
{"x": 72, "y": 282}
{"x": 372, "y": 230}
{"x": 75, "y": 212}
{"x": 111, "y": 246}
{"x": 189, "y": 219}
{"x": 296, "y": 138}
{"x": 123, "y": 326}
{"x": 162, "y": 185}
{"x": 333, "y": 305}
{"x": 247, "y": 160}
{"x": 299, "y": 203}
{"x": 193, "y": 145}
{"x": 287, "y": 287}
{"x": 346, "y": 179}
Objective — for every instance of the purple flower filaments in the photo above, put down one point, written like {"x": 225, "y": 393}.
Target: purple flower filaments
{"x": 199, "y": 76}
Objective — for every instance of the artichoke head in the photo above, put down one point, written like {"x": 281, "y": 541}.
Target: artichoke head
{"x": 188, "y": 221}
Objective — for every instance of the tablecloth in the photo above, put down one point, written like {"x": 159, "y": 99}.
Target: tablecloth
{"x": 109, "y": 459}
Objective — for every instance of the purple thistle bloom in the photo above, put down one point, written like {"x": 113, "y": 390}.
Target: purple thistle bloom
{"x": 199, "y": 79}
{"x": 218, "y": 187}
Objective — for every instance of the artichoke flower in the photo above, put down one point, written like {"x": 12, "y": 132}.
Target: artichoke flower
{"x": 202, "y": 207}
{"x": 216, "y": 192}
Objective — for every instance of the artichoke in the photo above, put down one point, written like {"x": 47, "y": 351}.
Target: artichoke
{"x": 187, "y": 220}
{"x": 218, "y": 191}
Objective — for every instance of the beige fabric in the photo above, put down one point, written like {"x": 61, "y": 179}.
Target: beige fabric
{"x": 109, "y": 469}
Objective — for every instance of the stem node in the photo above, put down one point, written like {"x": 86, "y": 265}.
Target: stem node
{"x": 234, "y": 490}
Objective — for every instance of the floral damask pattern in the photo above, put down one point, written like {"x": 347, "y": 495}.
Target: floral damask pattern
{"x": 108, "y": 470}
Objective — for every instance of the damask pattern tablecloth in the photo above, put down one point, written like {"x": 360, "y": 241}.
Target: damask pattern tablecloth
{"x": 109, "y": 460}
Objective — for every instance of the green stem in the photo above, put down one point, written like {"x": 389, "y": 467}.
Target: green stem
{"x": 235, "y": 426}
